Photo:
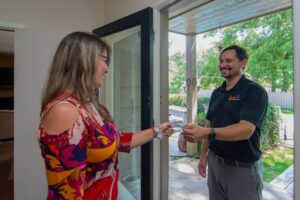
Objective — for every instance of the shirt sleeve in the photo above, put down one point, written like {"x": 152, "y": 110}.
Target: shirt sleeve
{"x": 65, "y": 160}
{"x": 125, "y": 142}
{"x": 255, "y": 105}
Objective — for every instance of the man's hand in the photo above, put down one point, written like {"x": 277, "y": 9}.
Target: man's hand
{"x": 194, "y": 133}
{"x": 202, "y": 166}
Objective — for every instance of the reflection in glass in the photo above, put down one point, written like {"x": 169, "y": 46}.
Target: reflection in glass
{"x": 127, "y": 106}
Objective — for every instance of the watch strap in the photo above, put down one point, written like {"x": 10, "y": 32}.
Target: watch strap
{"x": 212, "y": 134}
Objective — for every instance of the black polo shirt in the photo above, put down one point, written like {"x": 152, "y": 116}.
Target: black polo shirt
{"x": 245, "y": 101}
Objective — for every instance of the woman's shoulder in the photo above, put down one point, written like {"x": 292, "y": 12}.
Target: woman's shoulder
{"x": 60, "y": 117}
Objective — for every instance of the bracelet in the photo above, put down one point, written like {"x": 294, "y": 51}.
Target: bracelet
{"x": 157, "y": 133}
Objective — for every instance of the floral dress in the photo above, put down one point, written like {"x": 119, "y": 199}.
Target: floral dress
{"x": 82, "y": 161}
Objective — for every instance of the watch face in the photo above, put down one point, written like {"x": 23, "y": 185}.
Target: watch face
{"x": 212, "y": 134}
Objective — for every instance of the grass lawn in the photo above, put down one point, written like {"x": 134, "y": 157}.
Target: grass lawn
{"x": 275, "y": 161}
{"x": 287, "y": 110}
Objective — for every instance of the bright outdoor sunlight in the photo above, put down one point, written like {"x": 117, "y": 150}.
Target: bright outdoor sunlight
{"x": 274, "y": 71}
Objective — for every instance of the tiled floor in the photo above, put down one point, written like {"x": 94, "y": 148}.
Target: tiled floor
{"x": 6, "y": 159}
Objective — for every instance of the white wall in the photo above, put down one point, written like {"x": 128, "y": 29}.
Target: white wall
{"x": 32, "y": 59}
{"x": 33, "y": 55}
{"x": 296, "y": 28}
{"x": 57, "y": 15}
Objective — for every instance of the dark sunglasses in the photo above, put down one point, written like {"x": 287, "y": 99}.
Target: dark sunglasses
{"x": 107, "y": 59}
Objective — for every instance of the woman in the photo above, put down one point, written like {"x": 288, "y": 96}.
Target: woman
{"x": 78, "y": 138}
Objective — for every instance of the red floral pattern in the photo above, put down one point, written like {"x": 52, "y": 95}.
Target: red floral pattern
{"x": 82, "y": 161}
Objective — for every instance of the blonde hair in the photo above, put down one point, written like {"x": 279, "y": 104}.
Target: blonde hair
{"x": 73, "y": 68}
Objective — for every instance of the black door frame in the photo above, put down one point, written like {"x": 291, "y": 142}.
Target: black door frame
{"x": 144, "y": 19}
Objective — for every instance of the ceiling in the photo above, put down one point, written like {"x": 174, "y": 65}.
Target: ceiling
{"x": 196, "y": 16}
{"x": 213, "y": 14}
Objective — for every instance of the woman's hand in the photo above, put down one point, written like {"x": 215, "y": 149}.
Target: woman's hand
{"x": 166, "y": 128}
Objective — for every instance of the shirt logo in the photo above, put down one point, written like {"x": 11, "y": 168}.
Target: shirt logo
{"x": 234, "y": 98}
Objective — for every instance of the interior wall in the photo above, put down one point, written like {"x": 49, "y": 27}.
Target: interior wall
{"x": 31, "y": 63}
{"x": 33, "y": 55}
{"x": 56, "y": 15}
{"x": 296, "y": 29}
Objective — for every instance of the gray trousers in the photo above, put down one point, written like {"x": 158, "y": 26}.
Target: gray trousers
{"x": 228, "y": 182}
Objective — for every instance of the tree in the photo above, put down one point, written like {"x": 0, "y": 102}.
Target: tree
{"x": 268, "y": 40}
{"x": 177, "y": 72}
{"x": 208, "y": 71}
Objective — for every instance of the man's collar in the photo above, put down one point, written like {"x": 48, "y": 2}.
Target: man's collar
{"x": 237, "y": 85}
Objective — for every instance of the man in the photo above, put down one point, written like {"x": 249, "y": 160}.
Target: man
{"x": 231, "y": 145}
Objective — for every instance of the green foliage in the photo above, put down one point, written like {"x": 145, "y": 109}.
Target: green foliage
{"x": 270, "y": 128}
{"x": 177, "y": 100}
{"x": 275, "y": 161}
{"x": 287, "y": 110}
{"x": 201, "y": 102}
{"x": 268, "y": 40}
{"x": 177, "y": 72}
{"x": 208, "y": 70}
{"x": 201, "y": 118}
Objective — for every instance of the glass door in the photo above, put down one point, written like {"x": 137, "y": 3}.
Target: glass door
{"x": 127, "y": 94}
{"x": 122, "y": 95}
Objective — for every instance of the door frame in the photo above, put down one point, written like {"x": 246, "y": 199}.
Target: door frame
{"x": 144, "y": 19}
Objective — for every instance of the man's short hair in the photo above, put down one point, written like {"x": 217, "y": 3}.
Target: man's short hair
{"x": 241, "y": 53}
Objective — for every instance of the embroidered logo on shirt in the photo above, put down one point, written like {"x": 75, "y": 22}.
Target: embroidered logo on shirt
{"x": 234, "y": 98}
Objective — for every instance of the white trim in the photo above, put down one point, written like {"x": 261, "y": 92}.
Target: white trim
{"x": 10, "y": 26}
{"x": 156, "y": 104}
{"x": 296, "y": 34}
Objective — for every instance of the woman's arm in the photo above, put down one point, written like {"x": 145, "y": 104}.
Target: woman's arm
{"x": 144, "y": 136}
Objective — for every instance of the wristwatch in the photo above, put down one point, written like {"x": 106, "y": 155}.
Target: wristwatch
{"x": 158, "y": 133}
{"x": 212, "y": 134}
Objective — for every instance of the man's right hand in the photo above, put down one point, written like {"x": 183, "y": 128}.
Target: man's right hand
{"x": 202, "y": 166}
{"x": 193, "y": 133}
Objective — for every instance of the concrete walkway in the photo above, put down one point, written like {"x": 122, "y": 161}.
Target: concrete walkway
{"x": 286, "y": 130}
{"x": 285, "y": 181}
{"x": 186, "y": 184}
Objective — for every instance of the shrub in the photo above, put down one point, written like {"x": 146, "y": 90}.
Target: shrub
{"x": 201, "y": 102}
{"x": 177, "y": 100}
{"x": 201, "y": 118}
{"x": 269, "y": 137}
